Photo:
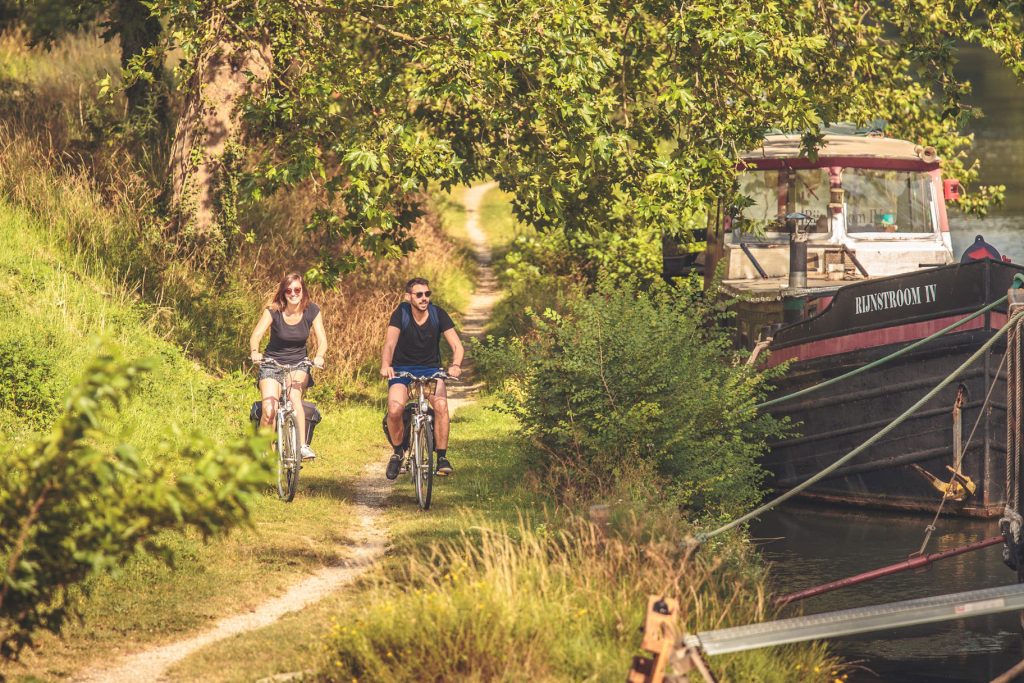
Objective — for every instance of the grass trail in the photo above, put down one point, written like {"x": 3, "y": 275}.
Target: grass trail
{"x": 488, "y": 486}
{"x": 481, "y": 449}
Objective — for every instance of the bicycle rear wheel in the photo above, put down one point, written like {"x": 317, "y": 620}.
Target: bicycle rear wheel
{"x": 289, "y": 459}
{"x": 423, "y": 456}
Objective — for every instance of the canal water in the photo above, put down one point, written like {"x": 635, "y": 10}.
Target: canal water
{"x": 812, "y": 545}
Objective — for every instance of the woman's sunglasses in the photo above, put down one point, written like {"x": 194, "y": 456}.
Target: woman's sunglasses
{"x": 420, "y": 295}
{"x": 293, "y": 290}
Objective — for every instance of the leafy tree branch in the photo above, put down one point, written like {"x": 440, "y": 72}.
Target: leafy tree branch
{"x": 70, "y": 509}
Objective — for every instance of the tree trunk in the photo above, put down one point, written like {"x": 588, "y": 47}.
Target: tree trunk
{"x": 207, "y": 145}
{"x": 139, "y": 30}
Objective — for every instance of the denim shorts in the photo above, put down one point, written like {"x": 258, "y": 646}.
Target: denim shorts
{"x": 270, "y": 372}
{"x": 418, "y": 370}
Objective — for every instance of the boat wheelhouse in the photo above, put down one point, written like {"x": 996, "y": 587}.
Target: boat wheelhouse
{"x": 838, "y": 261}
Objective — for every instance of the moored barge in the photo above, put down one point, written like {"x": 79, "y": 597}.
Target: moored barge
{"x": 839, "y": 261}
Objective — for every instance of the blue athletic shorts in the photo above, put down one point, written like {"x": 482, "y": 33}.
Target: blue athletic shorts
{"x": 418, "y": 370}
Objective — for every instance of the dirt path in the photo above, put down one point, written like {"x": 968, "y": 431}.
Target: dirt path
{"x": 369, "y": 542}
{"x": 486, "y": 293}
{"x": 372, "y": 490}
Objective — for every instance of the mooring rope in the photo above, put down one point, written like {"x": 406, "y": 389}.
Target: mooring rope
{"x": 1018, "y": 281}
{"x": 872, "y": 440}
{"x": 1013, "y": 415}
{"x": 931, "y": 528}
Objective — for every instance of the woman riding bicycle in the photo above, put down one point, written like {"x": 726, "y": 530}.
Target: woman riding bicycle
{"x": 289, "y": 317}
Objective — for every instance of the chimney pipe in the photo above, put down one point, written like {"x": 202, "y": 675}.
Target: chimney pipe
{"x": 797, "y": 251}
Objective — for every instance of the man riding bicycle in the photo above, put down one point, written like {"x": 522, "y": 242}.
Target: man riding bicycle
{"x": 412, "y": 343}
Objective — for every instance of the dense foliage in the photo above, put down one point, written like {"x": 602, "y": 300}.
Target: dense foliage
{"x": 70, "y": 509}
{"x": 638, "y": 393}
{"x": 609, "y": 121}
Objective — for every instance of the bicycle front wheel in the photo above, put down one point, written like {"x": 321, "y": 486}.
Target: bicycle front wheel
{"x": 289, "y": 459}
{"x": 423, "y": 456}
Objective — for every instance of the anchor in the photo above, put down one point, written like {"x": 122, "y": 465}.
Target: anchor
{"x": 960, "y": 485}
{"x": 957, "y": 489}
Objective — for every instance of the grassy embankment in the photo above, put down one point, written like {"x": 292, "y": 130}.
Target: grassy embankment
{"x": 56, "y": 315}
{"x": 81, "y": 268}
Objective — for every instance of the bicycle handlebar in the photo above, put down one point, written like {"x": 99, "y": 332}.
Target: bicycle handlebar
{"x": 440, "y": 374}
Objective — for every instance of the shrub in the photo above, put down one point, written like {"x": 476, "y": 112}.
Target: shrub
{"x": 69, "y": 509}
{"x": 26, "y": 386}
{"x": 639, "y": 393}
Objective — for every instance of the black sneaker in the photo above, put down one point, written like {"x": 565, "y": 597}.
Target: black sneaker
{"x": 444, "y": 468}
{"x": 394, "y": 464}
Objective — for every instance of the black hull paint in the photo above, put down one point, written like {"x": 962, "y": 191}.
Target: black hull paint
{"x": 835, "y": 420}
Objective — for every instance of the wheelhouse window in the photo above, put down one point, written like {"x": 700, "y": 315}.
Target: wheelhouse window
{"x": 897, "y": 202}
{"x": 767, "y": 196}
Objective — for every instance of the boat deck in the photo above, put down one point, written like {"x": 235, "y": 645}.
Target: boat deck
{"x": 775, "y": 288}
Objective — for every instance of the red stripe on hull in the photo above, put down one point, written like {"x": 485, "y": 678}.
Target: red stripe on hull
{"x": 910, "y": 332}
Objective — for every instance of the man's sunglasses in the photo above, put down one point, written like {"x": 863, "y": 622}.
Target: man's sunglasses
{"x": 293, "y": 290}
{"x": 420, "y": 295}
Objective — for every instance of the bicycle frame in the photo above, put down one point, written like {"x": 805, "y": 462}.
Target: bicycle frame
{"x": 420, "y": 457}
{"x": 284, "y": 404}
{"x": 421, "y": 414}
{"x": 289, "y": 458}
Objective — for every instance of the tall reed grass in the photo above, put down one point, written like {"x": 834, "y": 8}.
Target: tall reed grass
{"x": 529, "y": 603}
{"x": 50, "y": 92}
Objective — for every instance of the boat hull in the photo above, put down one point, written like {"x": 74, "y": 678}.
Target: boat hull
{"x": 833, "y": 421}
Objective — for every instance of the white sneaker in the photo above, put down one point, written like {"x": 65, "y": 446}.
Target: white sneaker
{"x": 307, "y": 453}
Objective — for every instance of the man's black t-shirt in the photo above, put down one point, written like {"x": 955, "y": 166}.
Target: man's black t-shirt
{"x": 419, "y": 344}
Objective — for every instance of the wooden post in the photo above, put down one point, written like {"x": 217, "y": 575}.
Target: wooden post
{"x": 685, "y": 659}
{"x": 659, "y": 639}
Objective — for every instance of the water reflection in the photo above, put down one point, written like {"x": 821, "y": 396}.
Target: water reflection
{"x": 811, "y": 545}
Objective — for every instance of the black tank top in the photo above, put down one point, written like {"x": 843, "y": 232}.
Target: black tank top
{"x": 288, "y": 342}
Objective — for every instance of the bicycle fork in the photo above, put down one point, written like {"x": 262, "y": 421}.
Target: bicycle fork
{"x": 282, "y": 417}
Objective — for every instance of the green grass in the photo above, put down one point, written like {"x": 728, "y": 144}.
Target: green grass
{"x": 453, "y": 213}
{"x": 488, "y": 485}
{"x": 77, "y": 59}
{"x": 499, "y": 223}
{"x": 495, "y": 583}
{"x": 56, "y": 316}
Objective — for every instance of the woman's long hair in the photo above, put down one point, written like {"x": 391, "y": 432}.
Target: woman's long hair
{"x": 279, "y": 302}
